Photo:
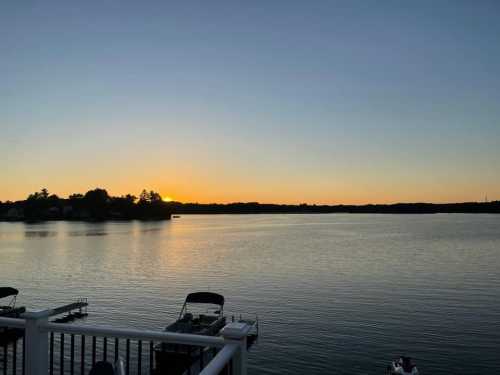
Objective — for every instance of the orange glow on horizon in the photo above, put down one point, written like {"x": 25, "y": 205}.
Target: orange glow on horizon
{"x": 187, "y": 188}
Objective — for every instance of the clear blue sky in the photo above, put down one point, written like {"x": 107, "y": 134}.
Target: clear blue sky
{"x": 271, "y": 101}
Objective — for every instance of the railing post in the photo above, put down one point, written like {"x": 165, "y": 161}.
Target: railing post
{"x": 36, "y": 339}
{"x": 236, "y": 333}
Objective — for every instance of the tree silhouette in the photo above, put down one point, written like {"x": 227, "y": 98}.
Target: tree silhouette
{"x": 96, "y": 204}
{"x": 149, "y": 197}
{"x": 154, "y": 197}
{"x": 144, "y": 197}
{"x": 44, "y": 193}
{"x": 96, "y": 201}
{"x": 38, "y": 205}
{"x": 130, "y": 198}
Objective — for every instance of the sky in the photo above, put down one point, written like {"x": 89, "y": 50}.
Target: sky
{"x": 270, "y": 101}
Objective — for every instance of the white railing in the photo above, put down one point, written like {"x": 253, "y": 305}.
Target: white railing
{"x": 220, "y": 360}
{"x": 12, "y": 323}
{"x": 39, "y": 334}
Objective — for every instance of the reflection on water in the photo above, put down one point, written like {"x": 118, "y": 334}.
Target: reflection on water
{"x": 145, "y": 230}
{"x": 335, "y": 293}
{"x": 87, "y": 233}
{"x": 39, "y": 233}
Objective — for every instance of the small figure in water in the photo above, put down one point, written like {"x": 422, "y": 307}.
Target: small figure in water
{"x": 404, "y": 366}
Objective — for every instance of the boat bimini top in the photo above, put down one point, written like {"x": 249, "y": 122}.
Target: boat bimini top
{"x": 204, "y": 298}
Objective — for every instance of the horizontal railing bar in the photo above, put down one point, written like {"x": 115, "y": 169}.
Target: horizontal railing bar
{"x": 135, "y": 334}
{"x": 221, "y": 359}
{"x": 13, "y": 322}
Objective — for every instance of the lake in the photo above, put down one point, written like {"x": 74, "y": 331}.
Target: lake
{"x": 337, "y": 293}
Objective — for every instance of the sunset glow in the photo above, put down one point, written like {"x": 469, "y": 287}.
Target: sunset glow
{"x": 258, "y": 109}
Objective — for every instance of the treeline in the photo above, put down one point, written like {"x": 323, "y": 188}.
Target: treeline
{"x": 97, "y": 204}
{"x": 400, "y": 208}
{"x": 94, "y": 205}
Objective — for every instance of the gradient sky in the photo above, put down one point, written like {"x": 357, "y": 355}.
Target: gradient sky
{"x": 270, "y": 101}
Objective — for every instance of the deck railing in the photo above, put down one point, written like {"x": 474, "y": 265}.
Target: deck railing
{"x": 57, "y": 348}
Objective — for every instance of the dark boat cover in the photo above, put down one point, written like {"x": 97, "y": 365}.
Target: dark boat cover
{"x": 205, "y": 297}
{"x": 6, "y": 292}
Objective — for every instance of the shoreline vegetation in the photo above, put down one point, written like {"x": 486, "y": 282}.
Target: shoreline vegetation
{"x": 94, "y": 205}
{"x": 98, "y": 205}
{"x": 397, "y": 208}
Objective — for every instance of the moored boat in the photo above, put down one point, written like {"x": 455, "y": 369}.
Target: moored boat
{"x": 202, "y": 314}
{"x": 10, "y": 307}
{"x": 191, "y": 320}
{"x": 8, "y": 335}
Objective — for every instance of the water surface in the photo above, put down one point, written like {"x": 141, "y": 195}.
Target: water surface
{"x": 335, "y": 293}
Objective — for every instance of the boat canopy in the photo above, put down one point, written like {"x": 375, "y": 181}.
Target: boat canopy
{"x": 205, "y": 297}
{"x": 7, "y": 292}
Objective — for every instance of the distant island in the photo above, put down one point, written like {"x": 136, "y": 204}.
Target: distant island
{"x": 94, "y": 205}
{"x": 98, "y": 205}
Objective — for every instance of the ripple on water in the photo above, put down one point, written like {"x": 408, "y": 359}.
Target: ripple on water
{"x": 335, "y": 293}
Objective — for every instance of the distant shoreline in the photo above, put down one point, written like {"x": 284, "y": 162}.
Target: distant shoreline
{"x": 178, "y": 208}
{"x": 97, "y": 206}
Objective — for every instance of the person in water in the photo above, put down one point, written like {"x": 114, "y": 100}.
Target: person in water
{"x": 404, "y": 366}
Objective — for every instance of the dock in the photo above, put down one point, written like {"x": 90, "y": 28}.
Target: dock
{"x": 50, "y": 348}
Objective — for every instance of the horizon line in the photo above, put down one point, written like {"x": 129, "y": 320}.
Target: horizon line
{"x": 170, "y": 202}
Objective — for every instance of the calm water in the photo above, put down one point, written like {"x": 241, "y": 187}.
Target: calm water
{"x": 337, "y": 293}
